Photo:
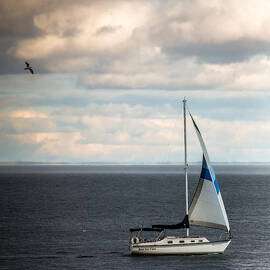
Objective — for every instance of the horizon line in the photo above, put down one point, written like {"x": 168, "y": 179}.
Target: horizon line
{"x": 132, "y": 163}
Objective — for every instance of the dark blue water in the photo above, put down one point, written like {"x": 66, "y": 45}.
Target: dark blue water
{"x": 77, "y": 217}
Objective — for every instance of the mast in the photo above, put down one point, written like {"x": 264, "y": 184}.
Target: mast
{"x": 186, "y": 164}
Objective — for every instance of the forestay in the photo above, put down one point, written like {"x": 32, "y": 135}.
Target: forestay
{"x": 207, "y": 207}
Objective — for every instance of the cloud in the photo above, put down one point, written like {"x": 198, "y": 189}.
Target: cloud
{"x": 93, "y": 28}
{"x": 209, "y": 23}
{"x": 241, "y": 137}
{"x": 27, "y": 114}
{"x": 187, "y": 74}
{"x": 39, "y": 47}
{"x": 104, "y": 71}
{"x": 105, "y": 135}
{"x": 25, "y": 121}
{"x": 124, "y": 133}
{"x": 174, "y": 45}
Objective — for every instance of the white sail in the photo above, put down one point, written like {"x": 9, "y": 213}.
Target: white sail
{"x": 207, "y": 207}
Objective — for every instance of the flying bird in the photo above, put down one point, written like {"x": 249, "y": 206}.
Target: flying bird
{"x": 28, "y": 67}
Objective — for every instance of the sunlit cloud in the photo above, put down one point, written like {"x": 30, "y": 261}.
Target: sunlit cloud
{"x": 171, "y": 45}
{"x": 27, "y": 114}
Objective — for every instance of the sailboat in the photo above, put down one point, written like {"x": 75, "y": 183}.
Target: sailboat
{"x": 206, "y": 209}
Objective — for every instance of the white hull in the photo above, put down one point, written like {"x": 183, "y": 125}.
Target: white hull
{"x": 163, "y": 248}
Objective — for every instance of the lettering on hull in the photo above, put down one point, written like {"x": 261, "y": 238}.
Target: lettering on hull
{"x": 147, "y": 249}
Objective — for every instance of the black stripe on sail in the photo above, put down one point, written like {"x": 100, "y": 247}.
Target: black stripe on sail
{"x": 181, "y": 225}
{"x": 194, "y": 123}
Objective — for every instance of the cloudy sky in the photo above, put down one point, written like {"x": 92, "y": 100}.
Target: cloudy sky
{"x": 111, "y": 76}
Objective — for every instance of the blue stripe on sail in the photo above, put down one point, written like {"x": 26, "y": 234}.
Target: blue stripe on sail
{"x": 215, "y": 180}
{"x": 205, "y": 174}
{"x": 216, "y": 186}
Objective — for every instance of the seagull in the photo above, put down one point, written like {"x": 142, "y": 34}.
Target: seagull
{"x": 29, "y": 68}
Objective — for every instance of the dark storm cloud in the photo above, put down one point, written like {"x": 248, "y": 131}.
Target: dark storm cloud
{"x": 107, "y": 29}
{"x": 17, "y": 16}
{"x": 228, "y": 52}
{"x": 212, "y": 31}
{"x": 17, "y": 23}
{"x": 111, "y": 46}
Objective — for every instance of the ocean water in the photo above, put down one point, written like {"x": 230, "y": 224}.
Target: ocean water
{"x": 78, "y": 217}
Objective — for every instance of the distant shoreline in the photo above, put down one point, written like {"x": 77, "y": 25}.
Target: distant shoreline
{"x": 27, "y": 163}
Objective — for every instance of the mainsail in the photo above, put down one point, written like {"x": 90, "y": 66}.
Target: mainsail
{"x": 207, "y": 207}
